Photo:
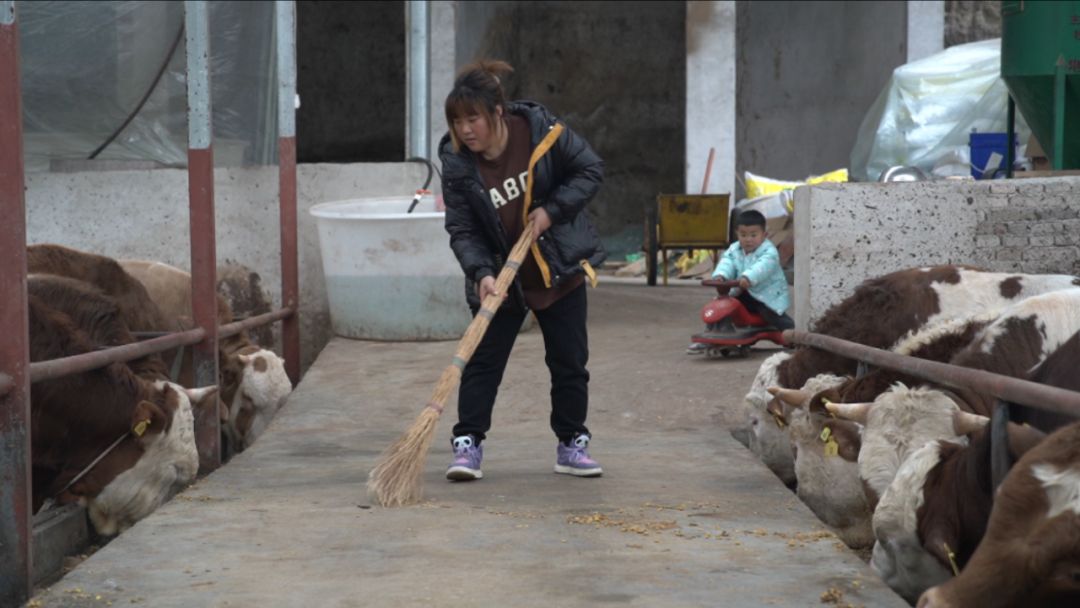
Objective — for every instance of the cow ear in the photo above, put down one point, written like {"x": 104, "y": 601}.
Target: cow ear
{"x": 147, "y": 419}
{"x": 245, "y": 360}
{"x": 942, "y": 543}
{"x": 776, "y": 410}
{"x": 847, "y": 437}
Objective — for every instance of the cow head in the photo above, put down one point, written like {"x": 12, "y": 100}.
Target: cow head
{"x": 1030, "y": 554}
{"x": 263, "y": 388}
{"x": 804, "y": 411}
{"x": 154, "y": 461}
{"x": 768, "y": 440}
{"x": 826, "y": 450}
{"x": 900, "y": 421}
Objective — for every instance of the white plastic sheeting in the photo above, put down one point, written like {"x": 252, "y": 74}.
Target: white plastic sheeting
{"x": 928, "y": 109}
{"x": 87, "y": 65}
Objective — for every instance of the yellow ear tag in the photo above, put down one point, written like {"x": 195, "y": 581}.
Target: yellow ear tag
{"x": 952, "y": 559}
{"x": 778, "y": 420}
{"x": 140, "y": 428}
{"x": 831, "y": 447}
{"x": 826, "y": 433}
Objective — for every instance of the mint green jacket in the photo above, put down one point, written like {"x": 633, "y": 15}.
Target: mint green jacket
{"x": 768, "y": 284}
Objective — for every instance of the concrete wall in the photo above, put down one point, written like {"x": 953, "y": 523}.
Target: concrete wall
{"x": 615, "y": 72}
{"x": 443, "y": 62}
{"x": 846, "y": 233}
{"x": 710, "y": 94}
{"x": 925, "y": 28}
{"x": 807, "y": 73}
{"x": 143, "y": 214}
{"x": 351, "y": 81}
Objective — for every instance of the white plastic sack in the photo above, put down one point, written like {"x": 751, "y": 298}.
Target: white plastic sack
{"x": 929, "y": 108}
{"x": 769, "y": 205}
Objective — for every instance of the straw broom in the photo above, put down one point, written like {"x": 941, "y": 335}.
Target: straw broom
{"x": 397, "y": 477}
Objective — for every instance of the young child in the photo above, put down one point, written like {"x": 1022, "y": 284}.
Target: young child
{"x": 754, "y": 261}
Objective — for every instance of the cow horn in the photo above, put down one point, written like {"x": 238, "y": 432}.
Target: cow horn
{"x": 196, "y": 395}
{"x": 966, "y": 422}
{"x": 791, "y": 396}
{"x": 856, "y": 412}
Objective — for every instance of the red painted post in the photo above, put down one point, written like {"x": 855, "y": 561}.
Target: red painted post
{"x": 15, "y": 489}
{"x": 203, "y": 238}
{"x": 289, "y": 272}
{"x": 290, "y": 280}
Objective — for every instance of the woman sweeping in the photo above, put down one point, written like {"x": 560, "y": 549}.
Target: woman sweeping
{"x": 486, "y": 158}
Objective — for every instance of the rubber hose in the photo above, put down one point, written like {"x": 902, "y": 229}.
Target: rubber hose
{"x": 427, "y": 182}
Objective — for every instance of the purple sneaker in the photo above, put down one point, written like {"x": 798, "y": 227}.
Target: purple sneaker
{"x": 467, "y": 457}
{"x": 574, "y": 459}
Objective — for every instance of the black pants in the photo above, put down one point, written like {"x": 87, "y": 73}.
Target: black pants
{"x": 567, "y": 347}
{"x": 782, "y": 321}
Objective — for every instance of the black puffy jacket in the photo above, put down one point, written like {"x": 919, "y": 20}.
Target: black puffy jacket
{"x": 564, "y": 181}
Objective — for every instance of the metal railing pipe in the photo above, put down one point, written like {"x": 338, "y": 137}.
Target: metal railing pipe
{"x": 1016, "y": 390}
{"x": 231, "y": 329}
{"x": 65, "y": 366}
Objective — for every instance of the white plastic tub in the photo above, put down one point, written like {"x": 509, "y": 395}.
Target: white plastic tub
{"x": 390, "y": 275}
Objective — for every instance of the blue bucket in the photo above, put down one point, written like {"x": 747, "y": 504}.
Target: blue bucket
{"x": 989, "y": 153}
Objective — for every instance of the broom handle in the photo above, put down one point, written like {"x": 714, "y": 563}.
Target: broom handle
{"x": 467, "y": 346}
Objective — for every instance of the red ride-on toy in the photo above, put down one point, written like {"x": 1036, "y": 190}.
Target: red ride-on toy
{"x": 732, "y": 329}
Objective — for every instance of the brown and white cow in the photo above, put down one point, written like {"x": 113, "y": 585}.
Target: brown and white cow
{"x": 254, "y": 384}
{"x": 140, "y": 313}
{"x": 1030, "y": 554}
{"x": 898, "y": 420}
{"x": 938, "y": 342}
{"x": 769, "y": 438}
{"x": 941, "y": 494}
{"x": 883, "y": 312}
{"x": 826, "y": 469}
{"x": 96, "y": 314}
{"x": 901, "y": 421}
{"x": 74, "y": 419}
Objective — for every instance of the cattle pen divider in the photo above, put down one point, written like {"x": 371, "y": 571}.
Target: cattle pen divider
{"x": 17, "y": 373}
{"x": 1007, "y": 390}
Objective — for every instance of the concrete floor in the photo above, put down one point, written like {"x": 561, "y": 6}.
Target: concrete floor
{"x": 683, "y": 516}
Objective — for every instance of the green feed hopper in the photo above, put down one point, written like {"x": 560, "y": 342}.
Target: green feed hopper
{"x": 1040, "y": 63}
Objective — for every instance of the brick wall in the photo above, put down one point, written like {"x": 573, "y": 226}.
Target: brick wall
{"x": 846, "y": 233}
{"x": 1030, "y": 228}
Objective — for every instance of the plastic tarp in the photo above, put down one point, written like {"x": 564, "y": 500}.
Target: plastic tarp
{"x": 87, "y": 65}
{"x": 928, "y": 109}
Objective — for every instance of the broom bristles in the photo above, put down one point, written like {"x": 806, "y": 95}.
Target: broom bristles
{"x": 397, "y": 478}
